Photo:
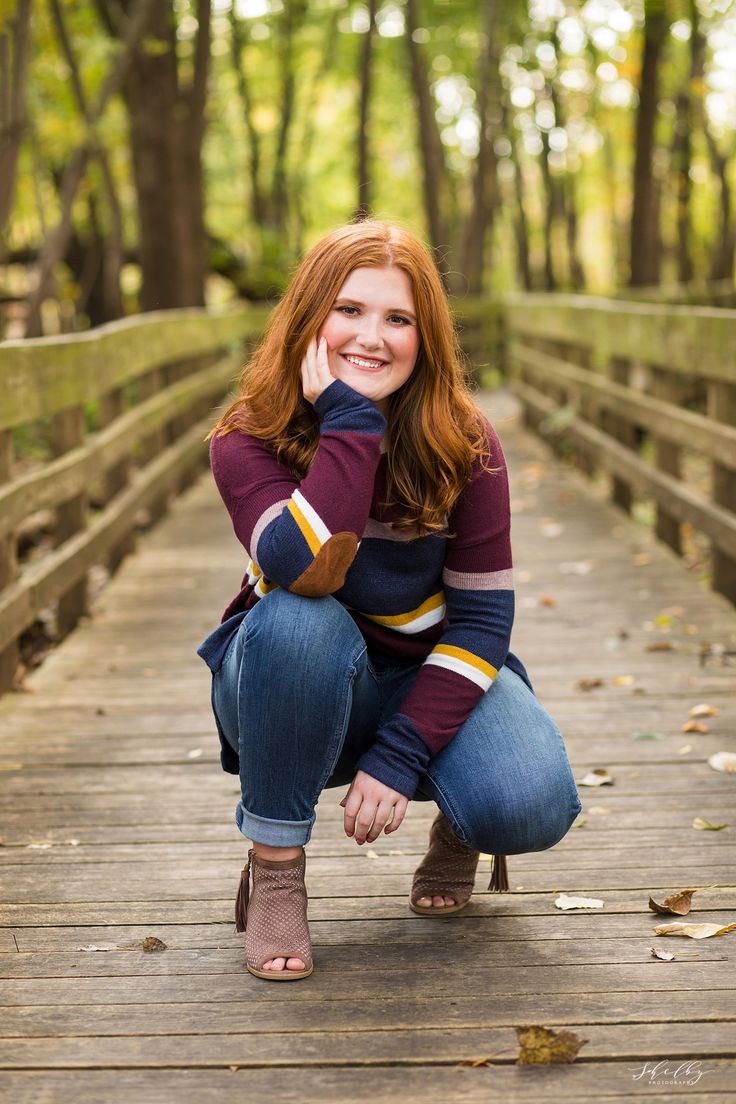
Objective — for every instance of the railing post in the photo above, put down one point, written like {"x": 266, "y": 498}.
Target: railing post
{"x": 623, "y": 431}
{"x": 667, "y": 454}
{"x": 67, "y": 432}
{"x": 112, "y": 405}
{"x": 8, "y": 564}
{"x": 722, "y": 407}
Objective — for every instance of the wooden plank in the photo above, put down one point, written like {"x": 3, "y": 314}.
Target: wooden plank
{"x": 109, "y": 448}
{"x": 429, "y": 1084}
{"x": 405, "y": 1047}
{"x": 688, "y": 340}
{"x": 681, "y": 502}
{"x": 41, "y": 376}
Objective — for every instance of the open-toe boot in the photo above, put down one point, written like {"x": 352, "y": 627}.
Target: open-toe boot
{"x": 273, "y": 915}
{"x": 448, "y": 870}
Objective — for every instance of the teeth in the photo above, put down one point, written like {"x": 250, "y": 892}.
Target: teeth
{"x": 362, "y": 363}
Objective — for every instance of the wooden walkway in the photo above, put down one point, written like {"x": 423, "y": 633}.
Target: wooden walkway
{"x": 117, "y": 825}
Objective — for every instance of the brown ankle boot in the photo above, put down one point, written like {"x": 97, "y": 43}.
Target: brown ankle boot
{"x": 448, "y": 870}
{"x": 273, "y": 916}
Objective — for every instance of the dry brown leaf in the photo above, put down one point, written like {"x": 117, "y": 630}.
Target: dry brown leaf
{"x": 151, "y": 943}
{"x": 476, "y": 1062}
{"x": 588, "y": 683}
{"x": 597, "y": 777}
{"x": 547, "y": 600}
{"x": 693, "y": 931}
{"x": 542, "y": 1046}
{"x": 660, "y": 646}
{"x": 694, "y": 726}
{"x": 704, "y": 710}
{"x": 723, "y": 761}
{"x": 678, "y": 903}
{"x": 706, "y": 825}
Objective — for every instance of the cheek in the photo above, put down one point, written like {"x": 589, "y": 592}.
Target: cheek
{"x": 334, "y": 330}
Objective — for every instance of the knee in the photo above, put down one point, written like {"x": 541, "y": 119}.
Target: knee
{"x": 519, "y": 825}
{"x": 289, "y": 626}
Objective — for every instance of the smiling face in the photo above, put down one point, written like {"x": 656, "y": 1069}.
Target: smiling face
{"x": 371, "y": 332}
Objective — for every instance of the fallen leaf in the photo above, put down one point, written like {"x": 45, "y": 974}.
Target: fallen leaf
{"x": 549, "y": 528}
{"x": 623, "y": 680}
{"x": 706, "y": 826}
{"x": 678, "y": 903}
{"x": 599, "y": 810}
{"x": 565, "y": 902}
{"x": 369, "y": 854}
{"x": 648, "y": 736}
{"x": 547, "y": 600}
{"x": 598, "y": 777}
{"x": 151, "y": 943}
{"x": 588, "y": 683}
{"x": 476, "y": 1062}
{"x": 685, "y": 749}
{"x": 641, "y": 559}
{"x": 723, "y": 761}
{"x": 38, "y": 846}
{"x": 72, "y": 842}
{"x": 704, "y": 710}
{"x": 194, "y": 753}
{"x": 693, "y": 931}
{"x": 92, "y": 947}
{"x": 542, "y": 1046}
{"x": 667, "y": 956}
{"x": 659, "y": 646}
{"x": 576, "y": 567}
{"x": 694, "y": 726}
{"x": 580, "y": 823}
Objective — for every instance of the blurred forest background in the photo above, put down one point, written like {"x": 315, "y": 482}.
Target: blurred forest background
{"x": 163, "y": 153}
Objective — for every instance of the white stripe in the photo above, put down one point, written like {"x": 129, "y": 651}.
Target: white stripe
{"x": 321, "y": 531}
{"x": 265, "y": 519}
{"x": 452, "y": 663}
{"x": 479, "y": 580}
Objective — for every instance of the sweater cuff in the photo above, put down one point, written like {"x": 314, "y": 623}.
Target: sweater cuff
{"x": 398, "y": 758}
{"x": 340, "y": 407}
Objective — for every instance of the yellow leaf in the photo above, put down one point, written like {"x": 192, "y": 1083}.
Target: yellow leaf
{"x": 694, "y": 726}
{"x": 705, "y": 825}
{"x": 623, "y": 680}
{"x": 542, "y": 1046}
{"x": 704, "y": 710}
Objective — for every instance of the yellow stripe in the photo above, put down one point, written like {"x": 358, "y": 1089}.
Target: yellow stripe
{"x": 431, "y": 603}
{"x": 467, "y": 657}
{"x": 305, "y": 528}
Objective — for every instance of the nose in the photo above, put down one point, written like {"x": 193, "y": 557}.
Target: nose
{"x": 370, "y": 332}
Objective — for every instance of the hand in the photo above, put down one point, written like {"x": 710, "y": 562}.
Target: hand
{"x": 370, "y": 806}
{"x": 316, "y": 375}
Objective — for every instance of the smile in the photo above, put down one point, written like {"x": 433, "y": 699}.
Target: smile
{"x": 360, "y": 362}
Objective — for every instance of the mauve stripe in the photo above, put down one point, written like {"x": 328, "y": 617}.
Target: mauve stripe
{"x": 479, "y": 580}
{"x": 266, "y": 517}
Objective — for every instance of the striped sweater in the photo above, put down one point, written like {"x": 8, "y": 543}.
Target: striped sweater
{"x": 448, "y": 603}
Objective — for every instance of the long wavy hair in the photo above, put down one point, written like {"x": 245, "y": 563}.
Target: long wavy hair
{"x": 435, "y": 430}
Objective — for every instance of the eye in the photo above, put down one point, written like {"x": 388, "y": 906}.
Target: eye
{"x": 400, "y": 318}
{"x": 345, "y": 309}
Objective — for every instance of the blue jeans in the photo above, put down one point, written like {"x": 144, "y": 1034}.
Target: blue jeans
{"x": 300, "y": 700}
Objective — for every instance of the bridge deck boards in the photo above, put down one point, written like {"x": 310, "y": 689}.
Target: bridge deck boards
{"x": 116, "y": 823}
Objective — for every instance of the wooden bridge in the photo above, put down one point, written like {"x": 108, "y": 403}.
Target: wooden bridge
{"x": 116, "y": 823}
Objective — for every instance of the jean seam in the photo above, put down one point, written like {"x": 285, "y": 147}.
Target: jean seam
{"x": 352, "y": 673}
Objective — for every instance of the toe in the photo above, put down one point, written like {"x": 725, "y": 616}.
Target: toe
{"x": 274, "y": 964}
{"x": 424, "y": 902}
{"x": 295, "y": 964}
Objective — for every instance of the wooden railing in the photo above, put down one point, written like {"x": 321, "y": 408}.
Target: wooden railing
{"x": 94, "y": 429}
{"x": 643, "y": 391}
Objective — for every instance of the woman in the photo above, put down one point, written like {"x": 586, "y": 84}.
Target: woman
{"x": 369, "y": 643}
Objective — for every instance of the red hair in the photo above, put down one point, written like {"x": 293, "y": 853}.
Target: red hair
{"x": 435, "y": 430}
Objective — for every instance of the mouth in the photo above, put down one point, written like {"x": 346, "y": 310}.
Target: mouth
{"x": 366, "y": 364}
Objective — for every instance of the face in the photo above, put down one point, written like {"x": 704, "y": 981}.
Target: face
{"x": 371, "y": 332}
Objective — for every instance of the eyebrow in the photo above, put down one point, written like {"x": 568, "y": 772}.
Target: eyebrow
{"x": 391, "y": 310}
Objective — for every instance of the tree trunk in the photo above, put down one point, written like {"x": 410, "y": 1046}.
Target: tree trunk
{"x": 479, "y": 222}
{"x": 521, "y": 228}
{"x": 55, "y": 244}
{"x": 366, "y": 70}
{"x": 644, "y": 240}
{"x": 685, "y": 110}
{"x": 190, "y": 212}
{"x": 430, "y": 146}
{"x": 14, "y": 50}
{"x": 238, "y": 42}
{"x": 550, "y": 206}
{"x": 293, "y": 16}
{"x": 102, "y": 300}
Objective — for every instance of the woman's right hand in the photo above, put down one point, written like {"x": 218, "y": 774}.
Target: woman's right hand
{"x": 316, "y": 375}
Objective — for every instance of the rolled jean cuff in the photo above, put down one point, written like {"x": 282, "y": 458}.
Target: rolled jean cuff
{"x": 275, "y": 833}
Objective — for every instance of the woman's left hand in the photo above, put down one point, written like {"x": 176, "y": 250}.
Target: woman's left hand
{"x": 370, "y": 806}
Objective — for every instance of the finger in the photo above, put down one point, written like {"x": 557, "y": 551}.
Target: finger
{"x": 383, "y": 815}
{"x": 352, "y": 805}
{"x": 398, "y": 815}
{"x": 364, "y": 821}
